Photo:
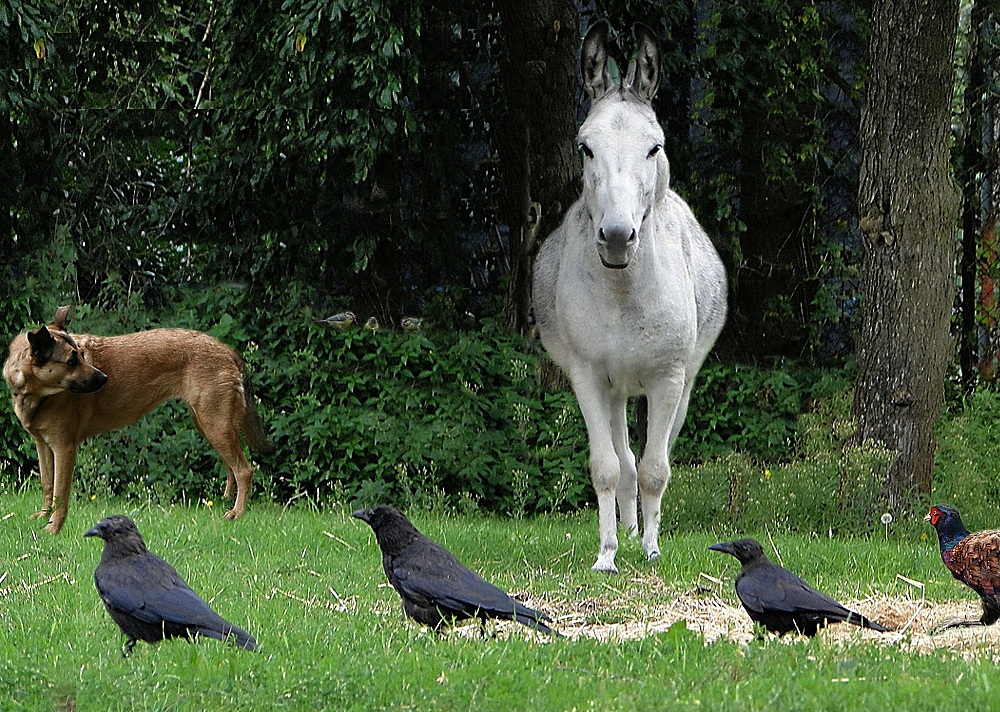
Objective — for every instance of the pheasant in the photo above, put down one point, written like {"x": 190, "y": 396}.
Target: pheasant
{"x": 974, "y": 559}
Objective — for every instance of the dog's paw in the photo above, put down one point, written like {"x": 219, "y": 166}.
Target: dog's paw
{"x": 40, "y": 513}
{"x": 231, "y": 514}
{"x": 53, "y": 528}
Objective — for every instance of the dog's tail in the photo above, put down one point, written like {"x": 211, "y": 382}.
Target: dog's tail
{"x": 253, "y": 429}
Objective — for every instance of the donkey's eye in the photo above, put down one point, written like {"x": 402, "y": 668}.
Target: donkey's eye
{"x": 585, "y": 150}
{"x": 654, "y": 150}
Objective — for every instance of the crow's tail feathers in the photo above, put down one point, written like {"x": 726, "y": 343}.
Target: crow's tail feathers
{"x": 534, "y": 619}
{"x": 231, "y": 633}
{"x": 860, "y": 620}
{"x": 538, "y": 625}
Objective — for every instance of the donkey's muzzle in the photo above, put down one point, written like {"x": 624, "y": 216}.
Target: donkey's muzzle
{"x": 616, "y": 247}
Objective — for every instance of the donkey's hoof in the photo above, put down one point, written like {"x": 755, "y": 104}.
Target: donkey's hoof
{"x": 607, "y": 567}
{"x": 653, "y": 555}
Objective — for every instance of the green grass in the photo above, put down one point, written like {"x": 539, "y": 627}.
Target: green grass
{"x": 309, "y": 585}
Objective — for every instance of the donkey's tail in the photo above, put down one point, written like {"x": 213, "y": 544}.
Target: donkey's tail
{"x": 253, "y": 429}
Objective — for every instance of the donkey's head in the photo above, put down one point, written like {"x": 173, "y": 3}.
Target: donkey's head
{"x": 625, "y": 172}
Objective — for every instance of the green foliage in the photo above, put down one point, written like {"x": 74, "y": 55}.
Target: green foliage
{"x": 391, "y": 415}
{"x": 352, "y": 146}
{"x": 435, "y": 416}
{"x": 966, "y": 460}
{"x": 752, "y": 409}
{"x": 459, "y": 419}
{"x": 774, "y": 175}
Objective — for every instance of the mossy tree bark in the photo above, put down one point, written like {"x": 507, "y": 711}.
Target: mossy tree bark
{"x": 908, "y": 211}
{"x": 539, "y": 163}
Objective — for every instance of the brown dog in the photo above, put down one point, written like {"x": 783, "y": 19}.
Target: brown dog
{"x": 68, "y": 387}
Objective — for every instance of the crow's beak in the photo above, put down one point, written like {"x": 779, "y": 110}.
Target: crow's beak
{"x": 724, "y": 547}
{"x": 362, "y": 514}
{"x": 95, "y": 531}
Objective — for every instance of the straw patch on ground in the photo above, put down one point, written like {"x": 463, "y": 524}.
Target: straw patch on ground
{"x": 703, "y": 610}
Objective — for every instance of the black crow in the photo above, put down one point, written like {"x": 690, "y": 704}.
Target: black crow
{"x": 146, "y": 597}
{"x": 780, "y": 600}
{"x": 435, "y": 587}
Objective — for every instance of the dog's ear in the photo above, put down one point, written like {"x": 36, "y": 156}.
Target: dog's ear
{"x": 42, "y": 345}
{"x": 59, "y": 320}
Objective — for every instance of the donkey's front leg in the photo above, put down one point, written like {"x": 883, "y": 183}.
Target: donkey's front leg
{"x": 604, "y": 474}
{"x": 654, "y": 468}
{"x": 626, "y": 493}
{"x": 653, "y": 477}
{"x": 605, "y": 471}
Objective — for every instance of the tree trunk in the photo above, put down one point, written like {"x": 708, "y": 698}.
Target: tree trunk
{"x": 539, "y": 164}
{"x": 908, "y": 207}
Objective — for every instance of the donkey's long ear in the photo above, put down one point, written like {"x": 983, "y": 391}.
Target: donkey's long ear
{"x": 594, "y": 61}
{"x": 644, "y": 70}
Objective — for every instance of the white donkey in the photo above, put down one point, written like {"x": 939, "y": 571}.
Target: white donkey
{"x": 629, "y": 292}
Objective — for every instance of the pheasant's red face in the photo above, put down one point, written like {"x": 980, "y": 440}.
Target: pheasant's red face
{"x": 935, "y": 516}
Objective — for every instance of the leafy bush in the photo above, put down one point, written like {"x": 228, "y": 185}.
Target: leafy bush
{"x": 365, "y": 416}
{"x": 460, "y": 419}
{"x": 452, "y": 417}
{"x": 753, "y": 409}
{"x": 966, "y": 473}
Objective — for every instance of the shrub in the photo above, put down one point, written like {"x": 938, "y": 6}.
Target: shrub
{"x": 460, "y": 419}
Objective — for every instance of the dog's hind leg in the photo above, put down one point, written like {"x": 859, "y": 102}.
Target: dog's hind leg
{"x": 231, "y": 488}
{"x": 243, "y": 474}
{"x": 46, "y": 470}
{"x": 65, "y": 461}
{"x": 221, "y": 427}
{"x": 240, "y": 471}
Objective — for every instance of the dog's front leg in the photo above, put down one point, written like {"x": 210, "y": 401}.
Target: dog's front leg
{"x": 65, "y": 461}
{"x": 46, "y": 471}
